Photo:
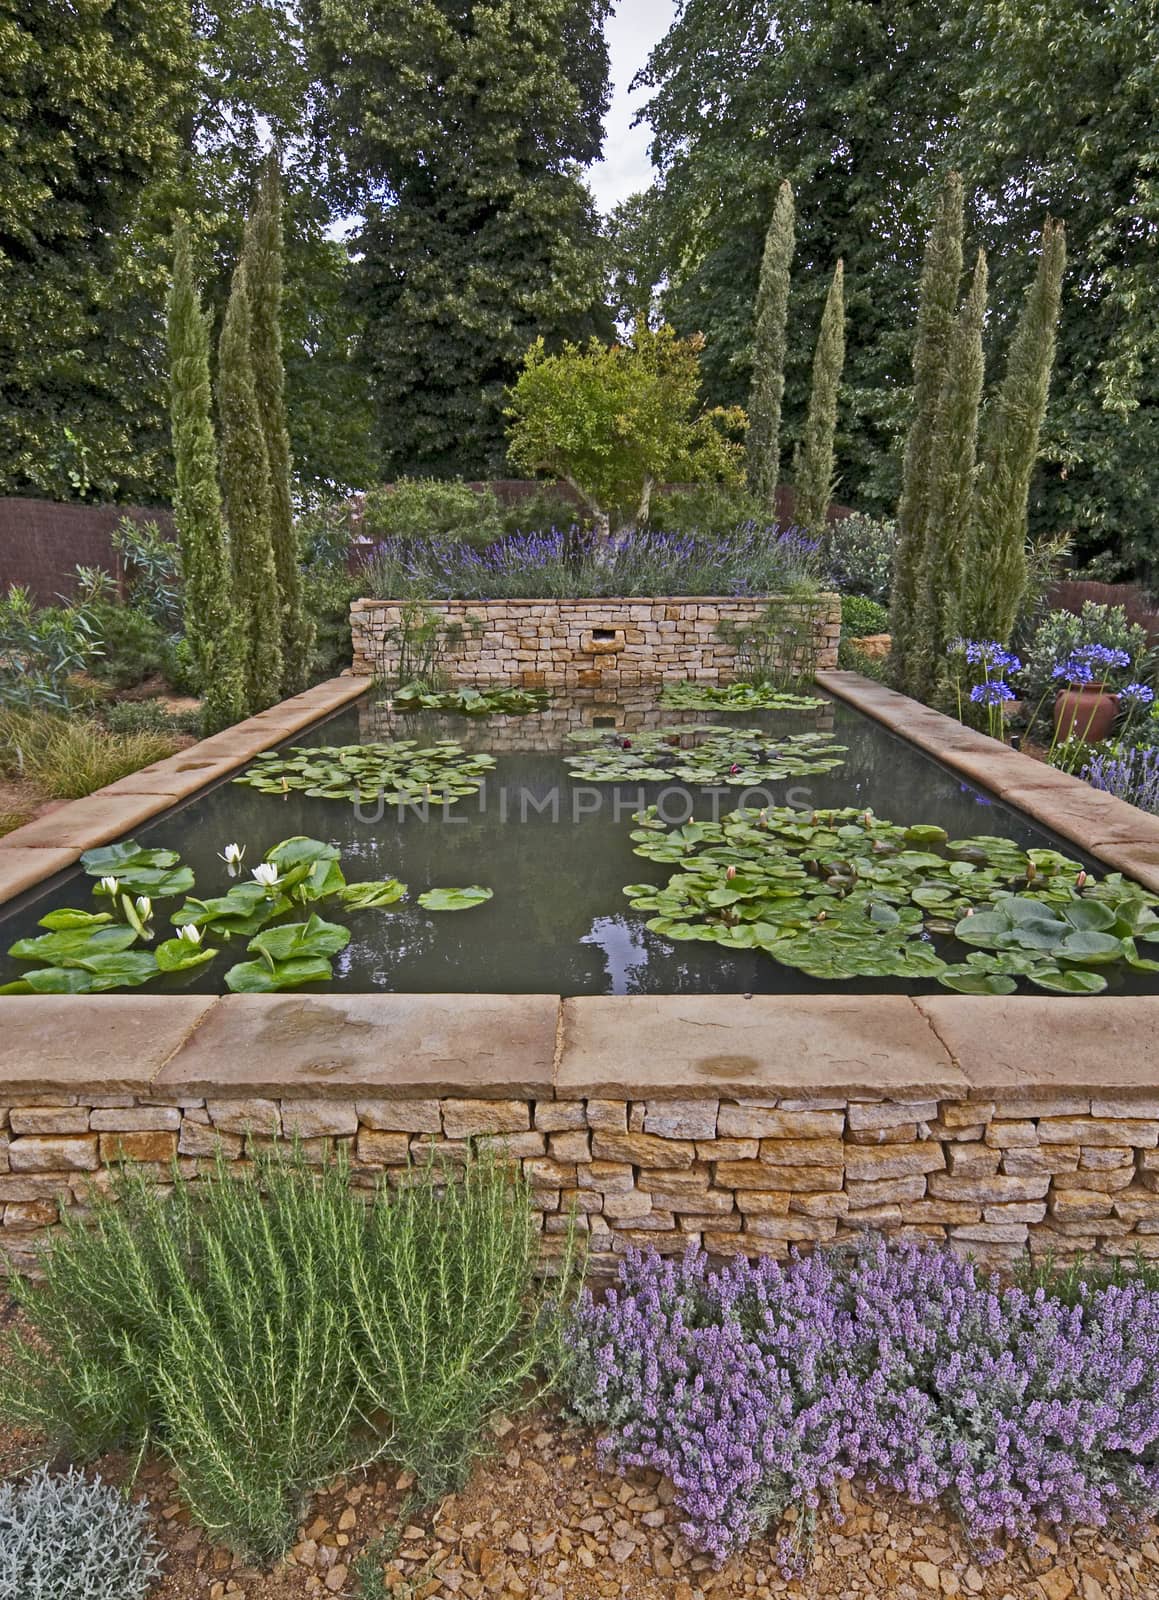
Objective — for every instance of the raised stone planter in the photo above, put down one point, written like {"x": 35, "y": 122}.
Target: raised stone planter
{"x": 994, "y": 1125}
{"x": 593, "y": 643}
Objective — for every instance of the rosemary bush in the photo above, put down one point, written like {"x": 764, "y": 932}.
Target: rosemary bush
{"x": 269, "y": 1328}
{"x": 73, "y": 1538}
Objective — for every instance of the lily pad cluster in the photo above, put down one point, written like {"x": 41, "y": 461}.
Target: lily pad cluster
{"x": 689, "y": 696}
{"x": 702, "y": 754}
{"x": 91, "y": 952}
{"x": 470, "y": 702}
{"x": 401, "y": 772}
{"x": 844, "y": 894}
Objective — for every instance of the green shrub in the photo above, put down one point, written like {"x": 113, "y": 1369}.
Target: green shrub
{"x": 267, "y": 1328}
{"x": 147, "y": 716}
{"x": 417, "y": 508}
{"x": 41, "y": 648}
{"x": 68, "y": 757}
{"x": 73, "y": 1538}
{"x": 1066, "y": 1282}
{"x": 851, "y": 659}
{"x": 326, "y": 593}
{"x": 706, "y": 508}
{"x": 133, "y": 646}
{"x": 546, "y": 508}
{"x": 152, "y": 566}
{"x": 1061, "y": 633}
{"x": 857, "y": 555}
{"x": 861, "y": 617}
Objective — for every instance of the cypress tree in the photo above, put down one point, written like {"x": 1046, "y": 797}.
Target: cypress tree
{"x": 815, "y": 475}
{"x": 210, "y": 625}
{"x": 941, "y": 274}
{"x": 763, "y": 446}
{"x": 996, "y": 563}
{"x": 263, "y": 250}
{"x": 952, "y": 467}
{"x": 245, "y": 476}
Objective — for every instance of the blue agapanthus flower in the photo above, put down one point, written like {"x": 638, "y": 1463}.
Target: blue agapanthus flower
{"x": 1091, "y": 663}
{"x": 1137, "y": 694}
{"x": 991, "y": 694}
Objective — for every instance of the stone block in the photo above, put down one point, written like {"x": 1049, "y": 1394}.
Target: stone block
{"x": 972, "y": 1160}
{"x": 759, "y": 1122}
{"x": 202, "y": 1139}
{"x": 559, "y": 1116}
{"x": 245, "y": 1116}
{"x": 884, "y": 1191}
{"x": 463, "y": 1119}
{"x": 1006, "y": 1135}
{"x": 998, "y": 1190}
{"x": 28, "y": 1215}
{"x": 893, "y": 1160}
{"x": 763, "y": 1202}
{"x": 609, "y": 1177}
{"x": 608, "y": 1116}
{"x": 1022, "y": 1163}
{"x": 681, "y": 1119}
{"x": 728, "y": 1149}
{"x": 377, "y": 1148}
{"x": 818, "y": 1205}
{"x": 48, "y": 1119}
{"x": 1079, "y": 1205}
{"x": 689, "y": 1182}
{"x": 318, "y": 1119}
{"x": 158, "y": 1147}
{"x": 136, "y": 1119}
{"x": 869, "y": 1116}
{"x": 400, "y": 1116}
{"x": 54, "y": 1153}
{"x": 643, "y": 1149}
{"x": 778, "y": 1152}
{"x": 1139, "y": 1132}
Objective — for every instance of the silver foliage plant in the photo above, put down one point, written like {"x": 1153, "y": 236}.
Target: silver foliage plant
{"x": 73, "y": 1538}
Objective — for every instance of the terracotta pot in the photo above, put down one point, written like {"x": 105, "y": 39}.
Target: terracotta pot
{"x": 1085, "y": 711}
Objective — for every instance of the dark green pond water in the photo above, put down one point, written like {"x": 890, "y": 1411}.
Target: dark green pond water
{"x": 556, "y": 852}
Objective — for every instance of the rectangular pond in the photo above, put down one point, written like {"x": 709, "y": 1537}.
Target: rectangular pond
{"x": 556, "y": 850}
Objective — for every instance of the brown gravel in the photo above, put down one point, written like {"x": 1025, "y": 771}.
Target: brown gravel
{"x": 539, "y": 1521}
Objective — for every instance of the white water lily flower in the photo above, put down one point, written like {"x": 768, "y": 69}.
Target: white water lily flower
{"x": 232, "y": 856}
{"x": 110, "y": 885}
{"x": 190, "y": 934}
{"x": 266, "y": 875}
{"x": 144, "y": 907}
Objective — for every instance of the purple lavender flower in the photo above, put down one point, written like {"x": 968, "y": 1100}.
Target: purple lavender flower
{"x": 1130, "y": 775}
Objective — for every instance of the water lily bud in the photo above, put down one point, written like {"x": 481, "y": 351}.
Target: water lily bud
{"x": 1080, "y": 879}
{"x": 821, "y": 915}
{"x": 1031, "y": 872}
{"x": 969, "y": 911}
{"x": 110, "y": 885}
{"x": 266, "y": 875}
{"x": 730, "y": 874}
{"x": 144, "y": 907}
{"x": 190, "y": 934}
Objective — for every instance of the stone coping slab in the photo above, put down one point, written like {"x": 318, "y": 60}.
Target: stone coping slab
{"x": 1031, "y": 1044}
{"x": 793, "y": 1045}
{"x": 1122, "y": 835}
{"x": 55, "y": 840}
{"x": 541, "y": 1047}
{"x": 107, "y": 1044}
{"x": 389, "y": 1045}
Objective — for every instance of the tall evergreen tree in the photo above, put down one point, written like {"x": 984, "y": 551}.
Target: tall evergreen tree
{"x": 996, "y": 567}
{"x": 263, "y": 255}
{"x": 459, "y": 129}
{"x": 763, "y": 446}
{"x": 245, "y": 476}
{"x": 210, "y": 623}
{"x": 815, "y": 476}
{"x": 941, "y": 274}
{"x": 953, "y": 459}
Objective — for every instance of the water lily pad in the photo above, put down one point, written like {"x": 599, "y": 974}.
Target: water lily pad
{"x": 178, "y": 955}
{"x": 70, "y": 945}
{"x": 454, "y": 899}
{"x": 399, "y": 772}
{"x": 256, "y": 977}
{"x": 294, "y": 941}
{"x": 371, "y": 896}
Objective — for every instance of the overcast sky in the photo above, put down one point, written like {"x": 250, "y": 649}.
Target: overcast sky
{"x": 634, "y": 27}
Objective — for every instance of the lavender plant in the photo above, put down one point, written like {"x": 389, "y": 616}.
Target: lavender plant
{"x": 1131, "y": 775}
{"x": 572, "y": 564}
{"x": 763, "y": 1384}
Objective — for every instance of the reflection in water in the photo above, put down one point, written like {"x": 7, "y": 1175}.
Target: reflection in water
{"x": 625, "y": 952}
{"x": 556, "y": 853}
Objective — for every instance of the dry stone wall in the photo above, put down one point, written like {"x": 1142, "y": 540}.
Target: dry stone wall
{"x": 1062, "y": 1173}
{"x": 610, "y": 644}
